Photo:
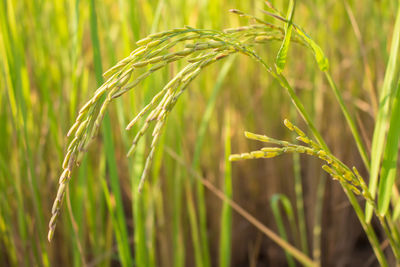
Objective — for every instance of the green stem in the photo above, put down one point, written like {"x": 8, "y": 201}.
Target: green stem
{"x": 298, "y": 188}
{"x": 296, "y": 101}
{"x": 317, "y": 229}
{"x": 367, "y": 227}
{"x": 389, "y": 235}
{"x": 393, "y": 229}
{"x": 350, "y": 121}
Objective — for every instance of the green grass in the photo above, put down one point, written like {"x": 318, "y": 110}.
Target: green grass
{"x": 385, "y": 101}
{"x": 225, "y": 240}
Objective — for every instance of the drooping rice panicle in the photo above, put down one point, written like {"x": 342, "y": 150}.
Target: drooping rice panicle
{"x": 334, "y": 167}
{"x": 154, "y": 53}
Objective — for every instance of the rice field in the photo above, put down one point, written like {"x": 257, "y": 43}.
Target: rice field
{"x": 199, "y": 133}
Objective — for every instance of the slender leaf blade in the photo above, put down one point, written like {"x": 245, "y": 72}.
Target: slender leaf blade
{"x": 119, "y": 221}
{"x": 287, "y": 207}
{"x": 322, "y": 60}
{"x": 389, "y": 163}
{"x": 226, "y": 214}
{"x": 280, "y": 60}
{"x": 378, "y": 139}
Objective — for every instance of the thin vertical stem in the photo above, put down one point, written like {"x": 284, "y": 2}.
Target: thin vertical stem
{"x": 353, "y": 128}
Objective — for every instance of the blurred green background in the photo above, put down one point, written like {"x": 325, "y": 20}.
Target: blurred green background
{"x": 50, "y": 52}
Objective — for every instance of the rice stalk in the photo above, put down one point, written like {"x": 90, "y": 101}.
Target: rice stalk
{"x": 153, "y": 53}
{"x": 350, "y": 179}
{"x": 225, "y": 238}
{"x": 334, "y": 167}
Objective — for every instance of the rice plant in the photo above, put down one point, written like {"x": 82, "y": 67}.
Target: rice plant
{"x": 200, "y": 48}
{"x": 52, "y": 53}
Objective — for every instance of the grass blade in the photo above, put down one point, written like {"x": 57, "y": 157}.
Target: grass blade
{"x": 396, "y": 211}
{"x": 385, "y": 99}
{"x": 353, "y": 128}
{"x": 199, "y": 145}
{"x": 318, "y": 211}
{"x": 141, "y": 256}
{"x": 369, "y": 230}
{"x": 194, "y": 227}
{"x": 319, "y": 55}
{"x": 287, "y": 207}
{"x": 280, "y": 60}
{"x": 6, "y": 226}
{"x": 225, "y": 240}
{"x": 178, "y": 237}
{"x": 389, "y": 163}
{"x": 119, "y": 222}
{"x": 298, "y": 189}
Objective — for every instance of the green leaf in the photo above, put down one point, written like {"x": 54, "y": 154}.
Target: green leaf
{"x": 287, "y": 207}
{"x": 225, "y": 240}
{"x": 387, "y": 94}
{"x": 280, "y": 60}
{"x": 118, "y": 217}
{"x": 389, "y": 163}
{"x": 322, "y": 60}
{"x": 396, "y": 210}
